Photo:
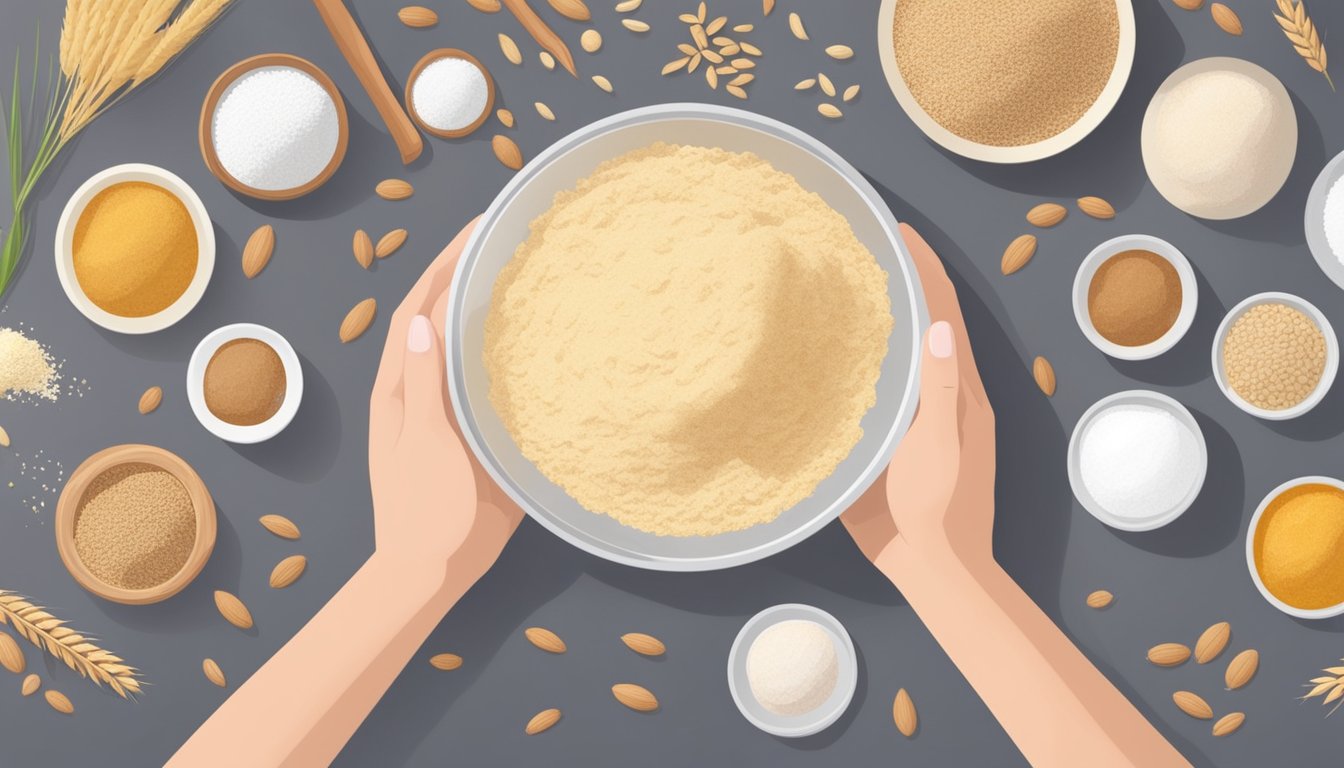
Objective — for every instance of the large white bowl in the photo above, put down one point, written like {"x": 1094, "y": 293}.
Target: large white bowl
{"x": 205, "y": 247}
{"x": 1026, "y": 153}
{"x": 505, "y": 225}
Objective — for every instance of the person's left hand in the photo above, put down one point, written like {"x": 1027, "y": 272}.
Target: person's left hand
{"x": 434, "y": 506}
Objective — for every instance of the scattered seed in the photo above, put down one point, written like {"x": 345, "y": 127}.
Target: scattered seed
{"x": 698, "y": 34}
{"x": 1228, "y": 21}
{"x": 363, "y": 248}
{"x": 507, "y": 151}
{"x": 735, "y": 90}
{"x": 1046, "y": 214}
{"x": 1241, "y": 669}
{"x": 1228, "y": 723}
{"x": 700, "y": 12}
{"x": 11, "y": 655}
{"x": 851, "y": 92}
{"x": 547, "y": 60}
{"x": 840, "y": 52}
{"x": 1212, "y": 642}
{"x": 742, "y": 79}
{"x": 545, "y": 639}
{"x": 635, "y": 25}
{"x": 904, "y": 714}
{"x": 695, "y": 62}
{"x": 644, "y": 645}
{"x": 213, "y": 673}
{"x": 1168, "y": 654}
{"x": 61, "y": 703}
{"x": 805, "y": 84}
{"x": 445, "y": 661}
{"x": 636, "y": 697}
{"x": 712, "y": 77}
{"x": 712, "y": 57}
{"x": 713, "y": 27}
{"x": 591, "y": 40}
{"x": 676, "y": 65}
{"x": 1017, "y": 254}
{"x": 1101, "y": 598}
{"x": 767, "y": 6}
{"x": 1193, "y": 705}
{"x": 827, "y": 87}
{"x": 233, "y": 610}
{"x": 544, "y": 111}
{"x": 288, "y": 571}
{"x": 30, "y": 685}
{"x": 750, "y": 49}
{"x": 357, "y": 320}
{"x": 542, "y": 721}
{"x": 280, "y": 526}
{"x": 1044, "y": 373}
{"x": 505, "y": 116}
{"x": 510, "y": 49}
{"x": 485, "y": 6}
{"x": 796, "y": 26}
{"x": 149, "y": 401}
{"x": 628, "y": 5}
{"x": 394, "y": 189}
{"x": 257, "y": 251}
{"x": 1096, "y": 208}
{"x": 389, "y": 243}
{"x": 603, "y": 83}
{"x": 574, "y": 10}
{"x": 744, "y": 28}
{"x": 731, "y": 49}
{"x": 743, "y": 63}
{"x": 830, "y": 110}
{"x": 4, "y": 438}
{"x": 417, "y": 16}
{"x": 688, "y": 18}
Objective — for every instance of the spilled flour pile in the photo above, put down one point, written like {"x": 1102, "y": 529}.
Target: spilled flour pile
{"x": 687, "y": 341}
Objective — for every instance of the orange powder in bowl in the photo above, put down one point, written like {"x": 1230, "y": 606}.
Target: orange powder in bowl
{"x": 1299, "y": 546}
{"x": 135, "y": 249}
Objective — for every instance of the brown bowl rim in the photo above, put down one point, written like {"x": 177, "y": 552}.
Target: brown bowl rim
{"x": 444, "y": 53}
{"x": 236, "y": 71}
{"x": 67, "y": 510}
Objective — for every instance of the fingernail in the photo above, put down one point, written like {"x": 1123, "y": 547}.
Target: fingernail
{"x": 420, "y": 335}
{"x": 940, "y": 339}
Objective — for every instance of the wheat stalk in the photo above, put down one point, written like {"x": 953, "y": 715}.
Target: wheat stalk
{"x": 1292, "y": 17}
{"x": 1330, "y": 685}
{"x": 78, "y": 652}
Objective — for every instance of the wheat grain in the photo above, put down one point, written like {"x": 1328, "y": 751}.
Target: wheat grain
{"x": 77, "y": 651}
{"x": 1304, "y": 36}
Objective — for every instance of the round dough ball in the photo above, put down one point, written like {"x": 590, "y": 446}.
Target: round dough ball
{"x": 1219, "y": 138}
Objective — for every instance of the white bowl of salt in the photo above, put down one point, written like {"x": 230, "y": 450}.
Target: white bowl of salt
{"x": 1137, "y": 460}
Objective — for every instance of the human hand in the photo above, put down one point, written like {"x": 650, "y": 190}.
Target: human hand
{"x": 434, "y": 506}
{"x": 937, "y": 496}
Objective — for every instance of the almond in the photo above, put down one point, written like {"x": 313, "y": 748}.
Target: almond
{"x": 394, "y": 189}
{"x": 358, "y": 320}
{"x": 1044, "y": 373}
{"x": 1212, "y": 642}
{"x": 574, "y": 10}
{"x": 280, "y": 525}
{"x": 510, "y": 49}
{"x": 213, "y": 673}
{"x": 636, "y": 697}
{"x": 541, "y": 721}
{"x": 796, "y": 26}
{"x": 485, "y": 6}
{"x": 1189, "y": 5}
{"x": 903, "y": 712}
{"x": 1241, "y": 669}
{"x": 1193, "y": 705}
{"x": 1018, "y": 253}
{"x": 1168, "y": 654}
{"x": 839, "y": 52}
{"x": 644, "y": 645}
{"x": 1099, "y": 599}
{"x": 507, "y": 152}
{"x": 389, "y": 243}
{"x": 418, "y": 16}
{"x": 4, "y": 438}
{"x": 1228, "y": 21}
{"x": 59, "y": 702}
{"x": 1228, "y": 723}
{"x": 628, "y": 6}
{"x": 30, "y": 685}
{"x": 363, "y": 248}
{"x": 11, "y": 656}
{"x": 545, "y": 639}
{"x": 257, "y": 252}
{"x": 1096, "y": 208}
{"x": 767, "y": 6}
{"x": 445, "y": 661}
{"x": 505, "y": 117}
{"x": 288, "y": 571}
{"x": 1046, "y": 215}
{"x": 233, "y": 610}
{"x": 150, "y": 400}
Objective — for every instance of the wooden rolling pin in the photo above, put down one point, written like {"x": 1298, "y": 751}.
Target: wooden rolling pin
{"x": 356, "y": 50}
{"x": 542, "y": 33}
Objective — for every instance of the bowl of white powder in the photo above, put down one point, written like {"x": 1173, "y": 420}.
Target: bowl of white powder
{"x": 792, "y": 670}
{"x": 685, "y": 337}
{"x": 1325, "y": 220}
{"x": 273, "y": 127}
{"x": 1137, "y": 460}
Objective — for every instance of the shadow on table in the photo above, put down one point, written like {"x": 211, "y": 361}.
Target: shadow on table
{"x": 1106, "y": 156}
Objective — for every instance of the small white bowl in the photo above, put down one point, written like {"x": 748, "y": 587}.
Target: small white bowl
{"x": 235, "y": 433}
{"x": 1314, "y": 221}
{"x": 1327, "y": 375}
{"x": 1301, "y": 613}
{"x": 1135, "y": 397}
{"x": 1082, "y": 283}
{"x": 65, "y": 239}
{"x": 819, "y": 719}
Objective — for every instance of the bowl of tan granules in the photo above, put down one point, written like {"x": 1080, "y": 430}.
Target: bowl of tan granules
{"x": 135, "y": 524}
{"x": 1007, "y": 81}
{"x": 685, "y": 337}
{"x": 1275, "y": 356}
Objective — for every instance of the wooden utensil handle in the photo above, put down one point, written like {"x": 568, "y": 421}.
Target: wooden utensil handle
{"x": 350, "y": 40}
{"x": 542, "y": 33}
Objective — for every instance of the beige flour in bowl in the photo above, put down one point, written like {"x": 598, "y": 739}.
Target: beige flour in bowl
{"x": 1006, "y": 73}
{"x": 687, "y": 341}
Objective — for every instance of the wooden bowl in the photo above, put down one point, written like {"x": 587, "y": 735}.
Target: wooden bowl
{"x": 222, "y": 84}
{"x": 67, "y": 510}
{"x": 444, "y": 53}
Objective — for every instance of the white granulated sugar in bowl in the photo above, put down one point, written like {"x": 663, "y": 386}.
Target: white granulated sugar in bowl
{"x": 275, "y": 128}
{"x": 1138, "y": 461}
{"x": 1334, "y": 219}
{"x": 450, "y": 93}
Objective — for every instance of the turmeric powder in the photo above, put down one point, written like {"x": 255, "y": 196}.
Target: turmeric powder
{"x": 1299, "y": 546}
{"x": 135, "y": 249}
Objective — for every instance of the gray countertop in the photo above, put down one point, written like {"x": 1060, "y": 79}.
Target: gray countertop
{"x": 1170, "y": 583}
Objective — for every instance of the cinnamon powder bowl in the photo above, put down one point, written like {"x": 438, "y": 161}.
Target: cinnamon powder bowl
{"x": 245, "y": 383}
{"x": 1120, "y": 320}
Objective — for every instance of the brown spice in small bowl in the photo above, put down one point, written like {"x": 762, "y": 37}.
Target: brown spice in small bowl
{"x": 244, "y": 382}
{"x": 1134, "y": 298}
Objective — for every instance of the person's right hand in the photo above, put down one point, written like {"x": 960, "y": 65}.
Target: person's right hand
{"x": 937, "y": 496}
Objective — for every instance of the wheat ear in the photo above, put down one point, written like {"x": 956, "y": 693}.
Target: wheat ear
{"x": 1292, "y": 17}
{"x": 78, "y": 652}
